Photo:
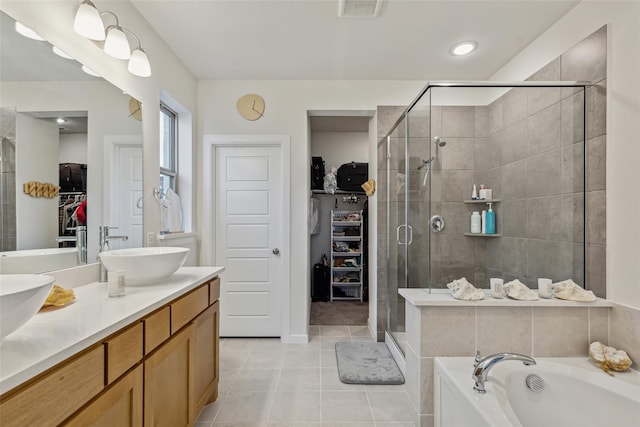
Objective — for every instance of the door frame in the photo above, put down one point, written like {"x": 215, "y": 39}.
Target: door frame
{"x": 208, "y": 209}
{"x": 112, "y": 146}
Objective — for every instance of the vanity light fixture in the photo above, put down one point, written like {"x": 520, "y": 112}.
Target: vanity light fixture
{"x": 116, "y": 43}
{"x": 88, "y": 23}
{"x": 27, "y": 32}
{"x": 90, "y": 71}
{"x": 463, "y": 48}
{"x": 61, "y": 53}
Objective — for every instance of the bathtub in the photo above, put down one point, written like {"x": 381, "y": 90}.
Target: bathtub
{"x": 37, "y": 260}
{"x": 576, "y": 394}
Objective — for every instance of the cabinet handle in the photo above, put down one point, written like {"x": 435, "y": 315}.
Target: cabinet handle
{"x": 276, "y": 251}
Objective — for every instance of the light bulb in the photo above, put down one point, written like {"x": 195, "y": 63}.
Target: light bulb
{"x": 139, "y": 63}
{"x": 90, "y": 71}
{"x": 61, "y": 53}
{"x": 88, "y": 22}
{"x": 116, "y": 43}
{"x": 27, "y": 32}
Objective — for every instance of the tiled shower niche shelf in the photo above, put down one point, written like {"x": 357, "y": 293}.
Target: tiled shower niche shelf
{"x": 484, "y": 201}
{"x": 482, "y": 235}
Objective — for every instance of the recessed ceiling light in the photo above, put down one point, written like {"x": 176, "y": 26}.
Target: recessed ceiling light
{"x": 27, "y": 32}
{"x": 61, "y": 53}
{"x": 60, "y": 120}
{"x": 463, "y": 48}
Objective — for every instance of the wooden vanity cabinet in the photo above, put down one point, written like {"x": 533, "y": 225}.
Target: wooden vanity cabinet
{"x": 168, "y": 382}
{"x": 157, "y": 371}
{"x": 119, "y": 405}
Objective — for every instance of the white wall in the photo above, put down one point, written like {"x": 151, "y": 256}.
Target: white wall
{"x": 73, "y": 148}
{"x": 36, "y": 217}
{"x": 53, "y": 20}
{"x": 287, "y": 103}
{"x": 623, "y": 126}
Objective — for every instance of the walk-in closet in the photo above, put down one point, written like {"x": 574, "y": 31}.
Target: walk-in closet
{"x": 339, "y": 218}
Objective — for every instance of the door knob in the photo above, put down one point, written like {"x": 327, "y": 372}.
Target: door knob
{"x": 276, "y": 251}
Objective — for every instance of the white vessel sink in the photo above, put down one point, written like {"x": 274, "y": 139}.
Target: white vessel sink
{"x": 21, "y": 296}
{"x": 145, "y": 266}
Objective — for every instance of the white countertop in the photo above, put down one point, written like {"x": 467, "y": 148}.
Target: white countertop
{"x": 50, "y": 337}
{"x": 442, "y": 297}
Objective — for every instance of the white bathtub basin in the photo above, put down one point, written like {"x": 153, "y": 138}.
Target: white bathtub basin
{"x": 144, "y": 266}
{"x": 576, "y": 394}
{"x": 37, "y": 260}
{"x": 21, "y": 296}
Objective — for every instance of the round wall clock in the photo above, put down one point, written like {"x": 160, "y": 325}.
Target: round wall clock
{"x": 251, "y": 106}
{"x": 135, "y": 109}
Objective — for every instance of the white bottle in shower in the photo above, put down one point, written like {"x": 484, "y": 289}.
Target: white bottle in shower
{"x": 475, "y": 223}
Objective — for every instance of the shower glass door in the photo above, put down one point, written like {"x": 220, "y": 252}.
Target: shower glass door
{"x": 409, "y": 160}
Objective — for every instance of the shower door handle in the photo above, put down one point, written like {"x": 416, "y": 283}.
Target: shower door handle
{"x": 408, "y": 234}
{"x": 398, "y": 234}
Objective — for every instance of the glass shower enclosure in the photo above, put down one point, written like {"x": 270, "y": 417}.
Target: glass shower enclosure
{"x": 525, "y": 142}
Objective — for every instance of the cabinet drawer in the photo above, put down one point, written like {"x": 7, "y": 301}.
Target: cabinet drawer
{"x": 188, "y": 307}
{"x": 123, "y": 351}
{"x": 52, "y": 398}
{"x": 214, "y": 290}
{"x": 157, "y": 328}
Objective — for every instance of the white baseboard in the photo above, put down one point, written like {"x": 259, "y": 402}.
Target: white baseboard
{"x": 295, "y": 339}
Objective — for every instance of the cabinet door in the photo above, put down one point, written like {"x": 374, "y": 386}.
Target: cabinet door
{"x": 206, "y": 357}
{"x": 120, "y": 405}
{"x": 168, "y": 382}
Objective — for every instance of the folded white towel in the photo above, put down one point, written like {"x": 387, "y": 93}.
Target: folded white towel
{"x": 173, "y": 212}
{"x": 518, "y": 290}
{"x": 463, "y": 290}
{"x": 571, "y": 291}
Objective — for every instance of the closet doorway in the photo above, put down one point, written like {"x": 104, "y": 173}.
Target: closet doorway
{"x": 339, "y": 266}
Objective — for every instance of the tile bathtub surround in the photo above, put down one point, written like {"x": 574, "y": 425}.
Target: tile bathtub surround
{"x": 264, "y": 382}
{"x": 434, "y": 331}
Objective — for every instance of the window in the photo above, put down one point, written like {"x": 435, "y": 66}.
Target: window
{"x": 168, "y": 148}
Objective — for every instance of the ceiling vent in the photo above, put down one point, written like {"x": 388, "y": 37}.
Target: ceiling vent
{"x": 359, "y": 8}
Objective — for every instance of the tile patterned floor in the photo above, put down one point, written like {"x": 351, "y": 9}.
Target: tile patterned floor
{"x": 264, "y": 382}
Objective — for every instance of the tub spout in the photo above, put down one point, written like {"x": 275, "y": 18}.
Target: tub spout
{"x": 482, "y": 367}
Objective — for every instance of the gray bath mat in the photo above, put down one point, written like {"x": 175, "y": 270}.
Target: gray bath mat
{"x": 367, "y": 363}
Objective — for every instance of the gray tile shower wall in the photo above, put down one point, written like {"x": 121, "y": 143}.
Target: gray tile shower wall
{"x": 7, "y": 179}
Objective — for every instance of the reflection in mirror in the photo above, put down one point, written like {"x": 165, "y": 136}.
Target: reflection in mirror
{"x": 63, "y": 127}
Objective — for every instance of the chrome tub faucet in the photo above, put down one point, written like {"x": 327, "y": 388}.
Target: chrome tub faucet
{"x": 482, "y": 366}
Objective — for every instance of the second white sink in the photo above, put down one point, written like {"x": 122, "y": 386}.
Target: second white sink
{"x": 145, "y": 266}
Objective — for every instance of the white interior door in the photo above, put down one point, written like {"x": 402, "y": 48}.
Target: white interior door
{"x": 126, "y": 212}
{"x": 248, "y": 235}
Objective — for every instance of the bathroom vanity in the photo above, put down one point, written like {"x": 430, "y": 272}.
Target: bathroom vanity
{"x": 148, "y": 357}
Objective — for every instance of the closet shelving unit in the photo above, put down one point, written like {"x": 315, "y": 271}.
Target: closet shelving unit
{"x": 346, "y": 255}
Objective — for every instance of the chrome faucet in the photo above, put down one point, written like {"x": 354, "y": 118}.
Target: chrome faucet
{"x": 105, "y": 238}
{"x": 482, "y": 366}
{"x": 81, "y": 242}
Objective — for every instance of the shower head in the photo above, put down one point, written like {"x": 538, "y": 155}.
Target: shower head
{"x": 439, "y": 141}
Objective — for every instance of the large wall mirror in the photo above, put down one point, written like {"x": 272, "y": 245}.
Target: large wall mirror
{"x": 62, "y": 126}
